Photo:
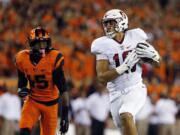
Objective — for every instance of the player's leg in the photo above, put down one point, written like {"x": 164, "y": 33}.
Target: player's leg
{"x": 132, "y": 103}
{"x": 49, "y": 119}
{"x": 124, "y": 120}
{"x": 29, "y": 116}
{"x": 126, "y": 106}
{"x": 127, "y": 124}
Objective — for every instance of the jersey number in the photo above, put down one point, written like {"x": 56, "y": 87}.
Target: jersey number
{"x": 39, "y": 81}
{"x": 116, "y": 59}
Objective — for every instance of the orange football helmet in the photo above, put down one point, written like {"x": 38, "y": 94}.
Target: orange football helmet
{"x": 39, "y": 34}
{"x": 39, "y": 42}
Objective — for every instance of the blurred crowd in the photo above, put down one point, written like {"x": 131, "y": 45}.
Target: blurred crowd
{"x": 74, "y": 24}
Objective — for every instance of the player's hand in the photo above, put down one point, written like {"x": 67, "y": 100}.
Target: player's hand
{"x": 145, "y": 50}
{"x": 23, "y": 92}
{"x": 131, "y": 59}
{"x": 64, "y": 125}
{"x": 128, "y": 63}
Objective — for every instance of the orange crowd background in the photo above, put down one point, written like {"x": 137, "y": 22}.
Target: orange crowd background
{"x": 74, "y": 24}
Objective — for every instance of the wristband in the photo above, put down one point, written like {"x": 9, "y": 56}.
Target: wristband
{"x": 121, "y": 69}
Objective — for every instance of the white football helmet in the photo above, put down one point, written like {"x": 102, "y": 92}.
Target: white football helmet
{"x": 121, "y": 22}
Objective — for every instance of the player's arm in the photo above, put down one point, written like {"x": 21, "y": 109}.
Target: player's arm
{"x": 22, "y": 84}
{"x": 22, "y": 79}
{"x": 59, "y": 78}
{"x": 105, "y": 74}
{"x": 60, "y": 81}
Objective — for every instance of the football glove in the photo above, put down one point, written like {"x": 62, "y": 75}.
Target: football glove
{"x": 64, "y": 123}
{"x": 128, "y": 63}
{"x": 145, "y": 50}
{"x": 23, "y": 92}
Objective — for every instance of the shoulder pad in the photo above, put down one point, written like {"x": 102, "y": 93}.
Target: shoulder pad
{"x": 99, "y": 45}
{"x": 21, "y": 54}
{"x": 141, "y": 33}
{"x": 59, "y": 60}
{"x": 19, "y": 58}
{"x": 138, "y": 32}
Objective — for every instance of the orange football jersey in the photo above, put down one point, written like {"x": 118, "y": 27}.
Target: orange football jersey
{"x": 42, "y": 87}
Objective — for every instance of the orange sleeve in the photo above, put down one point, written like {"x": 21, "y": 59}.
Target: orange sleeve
{"x": 59, "y": 60}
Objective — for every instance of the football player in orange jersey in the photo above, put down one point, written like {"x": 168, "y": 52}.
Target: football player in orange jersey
{"x": 42, "y": 67}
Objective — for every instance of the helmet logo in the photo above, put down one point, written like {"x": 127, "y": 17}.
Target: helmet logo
{"x": 122, "y": 13}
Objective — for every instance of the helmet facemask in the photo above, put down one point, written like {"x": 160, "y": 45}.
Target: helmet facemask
{"x": 40, "y": 46}
{"x": 110, "y": 27}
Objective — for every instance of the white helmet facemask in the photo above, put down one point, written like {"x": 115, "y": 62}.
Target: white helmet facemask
{"x": 120, "y": 19}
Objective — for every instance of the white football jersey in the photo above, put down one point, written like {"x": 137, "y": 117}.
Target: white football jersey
{"x": 115, "y": 53}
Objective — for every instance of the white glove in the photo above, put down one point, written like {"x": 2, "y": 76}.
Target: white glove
{"x": 145, "y": 50}
{"x": 128, "y": 63}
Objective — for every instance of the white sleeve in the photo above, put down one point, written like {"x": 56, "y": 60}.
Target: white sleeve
{"x": 101, "y": 57}
{"x": 98, "y": 48}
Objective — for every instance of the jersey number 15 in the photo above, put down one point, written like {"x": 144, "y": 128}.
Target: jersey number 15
{"x": 38, "y": 81}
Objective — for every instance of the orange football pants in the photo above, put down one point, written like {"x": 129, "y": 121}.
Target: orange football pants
{"x": 33, "y": 111}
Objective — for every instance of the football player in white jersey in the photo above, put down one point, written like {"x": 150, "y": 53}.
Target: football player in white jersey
{"x": 118, "y": 55}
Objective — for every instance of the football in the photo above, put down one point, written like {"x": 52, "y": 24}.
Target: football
{"x": 146, "y": 60}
